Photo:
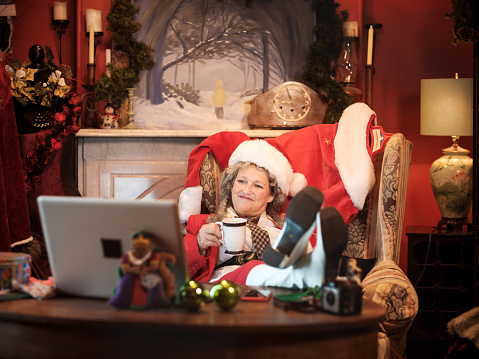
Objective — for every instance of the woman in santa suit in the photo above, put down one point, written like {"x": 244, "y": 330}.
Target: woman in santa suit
{"x": 255, "y": 186}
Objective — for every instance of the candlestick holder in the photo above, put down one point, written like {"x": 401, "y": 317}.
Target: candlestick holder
{"x": 91, "y": 120}
{"x": 368, "y": 96}
{"x": 370, "y": 70}
{"x": 61, "y": 25}
{"x": 131, "y": 113}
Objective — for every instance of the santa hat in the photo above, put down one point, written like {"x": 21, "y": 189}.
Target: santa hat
{"x": 221, "y": 145}
{"x": 274, "y": 160}
{"x": 352, "y": 155}
{"x": 230, "y": 147}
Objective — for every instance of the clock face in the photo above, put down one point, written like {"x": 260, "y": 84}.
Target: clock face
{"x": 291, "y": 102}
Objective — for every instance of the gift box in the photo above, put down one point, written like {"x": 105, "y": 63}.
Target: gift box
{"x": 14, "y": 266}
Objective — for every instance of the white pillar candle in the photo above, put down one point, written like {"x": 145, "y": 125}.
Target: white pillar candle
{"x": 91, "y": 46}
{"x": 370, "y": 45}
{"x": 93, "y": 17}
{"x": 60, "y": 10}
{"x": 108, "y": 60}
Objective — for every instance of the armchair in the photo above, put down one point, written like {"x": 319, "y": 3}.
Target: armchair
{"x": 363, "y": 172}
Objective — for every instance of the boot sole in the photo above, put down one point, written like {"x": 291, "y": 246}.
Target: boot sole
{"x": 300, "y": 224}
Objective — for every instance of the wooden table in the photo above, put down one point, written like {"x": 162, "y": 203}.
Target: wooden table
{"x": 68, "y": 327}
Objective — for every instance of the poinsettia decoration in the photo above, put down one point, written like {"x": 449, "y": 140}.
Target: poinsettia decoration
{"x": 59, "y": 108}
{"x": 47, "y": 142}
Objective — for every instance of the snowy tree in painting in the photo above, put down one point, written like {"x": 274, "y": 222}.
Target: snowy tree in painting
{"x": 250, "y": 49}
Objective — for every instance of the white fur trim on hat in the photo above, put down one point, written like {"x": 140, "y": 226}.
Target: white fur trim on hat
{"x": 351, "y": 152}
{"x": 265, "y": 155}
{"x": 189, "y": 202}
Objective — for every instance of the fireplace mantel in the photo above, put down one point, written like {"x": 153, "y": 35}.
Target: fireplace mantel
{"x": 139, "y": 164}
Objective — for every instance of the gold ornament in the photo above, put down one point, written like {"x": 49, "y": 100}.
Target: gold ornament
{"x": 193, "y": 296}
{"x": 225, "y": 294}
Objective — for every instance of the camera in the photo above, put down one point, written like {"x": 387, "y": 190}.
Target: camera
{"x": 342, "y": 296}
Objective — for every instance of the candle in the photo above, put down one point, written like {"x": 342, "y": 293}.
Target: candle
{"x": 60, "y": 10}
{"x": 108, "y": 61}
{"x": 91, "y": 48}
{"x": 93, "y": 17}
{"x": 370, "y": 45}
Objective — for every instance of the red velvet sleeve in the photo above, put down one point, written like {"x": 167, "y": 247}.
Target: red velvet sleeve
{"x": 200, "y": 267}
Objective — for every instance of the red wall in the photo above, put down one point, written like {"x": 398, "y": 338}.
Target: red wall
{"x": 33, "y": 25}
{"x": 415, "y": 43}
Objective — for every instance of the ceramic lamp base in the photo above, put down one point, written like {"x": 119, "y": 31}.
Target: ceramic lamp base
{"x": 454, "y": 224}
{"x": 452, "y": 182}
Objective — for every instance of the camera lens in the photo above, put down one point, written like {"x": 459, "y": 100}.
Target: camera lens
{"x": 330, "y": 298}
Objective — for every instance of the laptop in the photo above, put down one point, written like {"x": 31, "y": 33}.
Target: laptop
{"x": 85, "y": 238}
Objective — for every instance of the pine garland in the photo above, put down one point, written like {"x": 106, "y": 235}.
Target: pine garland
{"x": 465, "y": 15}
{"x": 122, "y": 26}
{"x": 318, "y": 72}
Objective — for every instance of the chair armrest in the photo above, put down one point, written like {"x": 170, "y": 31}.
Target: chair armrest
{"x": 388, "y": 286}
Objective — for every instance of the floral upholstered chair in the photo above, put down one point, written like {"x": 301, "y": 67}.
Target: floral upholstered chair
{"x": 375, "y": 238}
{"x": 375, "y": 230}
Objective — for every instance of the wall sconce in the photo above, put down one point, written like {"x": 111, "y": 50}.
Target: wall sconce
{"x": 446, "y": 110}
{"x": 60, "y": 21}
{"x": 93, "y": 23}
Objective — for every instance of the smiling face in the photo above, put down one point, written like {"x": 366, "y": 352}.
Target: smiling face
{"x": 251, "y": 192}
{"x": 140, "y": 248}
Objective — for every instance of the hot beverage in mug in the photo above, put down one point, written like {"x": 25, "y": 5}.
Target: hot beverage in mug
{"x": 234, "y": 234}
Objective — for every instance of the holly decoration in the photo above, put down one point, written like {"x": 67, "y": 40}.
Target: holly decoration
{"x": 193, "y": 296}
{"x": 225, "y": 294}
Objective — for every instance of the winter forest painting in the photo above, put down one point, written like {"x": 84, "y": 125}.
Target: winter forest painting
{"x": 214, "y": 56}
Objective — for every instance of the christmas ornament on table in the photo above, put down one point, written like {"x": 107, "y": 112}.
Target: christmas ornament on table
{"x": 193, "y": 296}
{"x": 225, "y": 294}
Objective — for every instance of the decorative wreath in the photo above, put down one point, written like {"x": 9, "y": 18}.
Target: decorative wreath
{"x": 26, "y": 90}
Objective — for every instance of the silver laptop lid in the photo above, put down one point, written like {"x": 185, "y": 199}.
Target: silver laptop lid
{"x": 85, "y": 238}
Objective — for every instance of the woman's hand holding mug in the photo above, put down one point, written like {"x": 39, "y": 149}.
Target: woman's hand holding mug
{"x": 234, "y": 234}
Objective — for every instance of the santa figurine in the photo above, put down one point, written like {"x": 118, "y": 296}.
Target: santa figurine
{"x": 109, "y": 119}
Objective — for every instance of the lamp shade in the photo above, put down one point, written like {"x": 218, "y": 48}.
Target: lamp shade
{"x": 446, "y": 107}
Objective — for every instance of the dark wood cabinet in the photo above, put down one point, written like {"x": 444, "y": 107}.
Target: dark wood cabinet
{"x": 441, "y": 267}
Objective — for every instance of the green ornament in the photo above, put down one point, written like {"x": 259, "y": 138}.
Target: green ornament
{"x": 225, "y": 294}
{"x": 193, "y": 295}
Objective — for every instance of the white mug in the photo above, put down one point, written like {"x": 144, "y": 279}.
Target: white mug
{"x": 234, "y": 234}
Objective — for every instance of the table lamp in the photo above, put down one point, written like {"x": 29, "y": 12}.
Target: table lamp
{"x": 446, "y": 110}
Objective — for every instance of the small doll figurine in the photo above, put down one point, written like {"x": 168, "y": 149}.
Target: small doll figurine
{"x": 109, "y": 119}
{"x": 353, "y": 272}
{"x": 146, "y": 281}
